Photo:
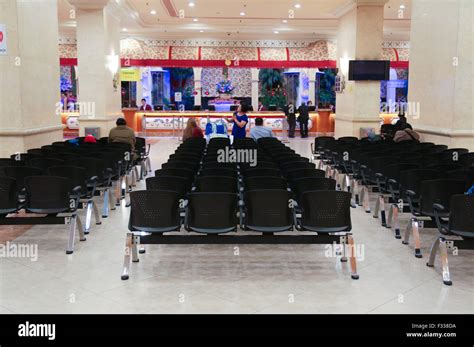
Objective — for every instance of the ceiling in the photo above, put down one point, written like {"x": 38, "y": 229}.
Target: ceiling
{"x": 239, "y": 20}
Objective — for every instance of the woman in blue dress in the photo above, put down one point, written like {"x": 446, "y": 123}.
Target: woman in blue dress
{"x": 240, "y": 121}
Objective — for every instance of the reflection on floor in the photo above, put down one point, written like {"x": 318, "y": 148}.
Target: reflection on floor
{"x": 214, "y": 279}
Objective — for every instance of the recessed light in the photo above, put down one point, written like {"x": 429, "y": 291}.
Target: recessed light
{"x": 124, "y": 29}
{"x": 284, "y": 21}
{"x": 402, "y": 6}
{"x": 153, "y": 12}
{"x": 242, "y": 13}
{"x": 201, "y": 31}
{"x": 297, "y": 5}
{"x": 276, "y": 32}
{"x": 191, "y": 4}
{"x": 195, "y": 20}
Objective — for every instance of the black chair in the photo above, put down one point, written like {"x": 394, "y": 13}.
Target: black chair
{"x": 216, "y": 184}
{"x": 217, "y": 165}
{"x": 307, "y": 184}
{"x": 78, "y": 178}
{"x": 268, "y": 211}
{"x": 287, "y": 166}
{"x": 264, "y": 182}
{"x": 154, "y": 211}
{"x": 8, "y": 196}
{"x": 19, "y": 173}
{"x": 438, "y": 191}
{"x": 211, "y": 213}
{"x": 52, "y": 195}
{"x": 180, "y": 165}
{"x": 325, "y": 211}
{"x": 180, "y": 185}
{"x": 186, "y": 173}
{"x": 459, "y": 224}
{"x": 44, "y": 162}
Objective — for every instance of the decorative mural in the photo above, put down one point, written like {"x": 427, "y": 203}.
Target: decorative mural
{"x": 241, "y": 80}
{"x": 212, "y": 50}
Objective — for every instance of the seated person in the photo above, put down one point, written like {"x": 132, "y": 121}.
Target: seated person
{"x": 259, "y": 130}
{"x": 406, "y": 133}
{"x": 192, "y": 130}
{"x": 122, "y": 133}
{"x": 90, "y": 139}
{"x": 145, "y": 106}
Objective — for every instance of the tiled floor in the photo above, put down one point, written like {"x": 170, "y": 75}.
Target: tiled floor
{"x": 215, "y": 279}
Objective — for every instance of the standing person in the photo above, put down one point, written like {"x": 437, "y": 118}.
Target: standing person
{"x": 122, "y": 133}
{"x": 261, "y": 108}
{"x": 291, "y": 118}
{"x": 303, "y": 119}
{"x": 145, "y": 106}
{"x": 192, "y": 130}
{"x": 240, "y": 121}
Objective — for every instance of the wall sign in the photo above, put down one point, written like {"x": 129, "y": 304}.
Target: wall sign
{"x": 3, "y": 39}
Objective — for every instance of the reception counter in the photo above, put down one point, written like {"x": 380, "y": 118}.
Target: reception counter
{"x": 161, "y": 122}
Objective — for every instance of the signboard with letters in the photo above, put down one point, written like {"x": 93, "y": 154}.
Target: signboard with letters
{"x": 3, "y": 40}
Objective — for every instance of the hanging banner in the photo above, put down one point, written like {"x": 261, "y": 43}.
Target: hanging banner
{"x": 3, "y": 40}
{"x": 130, "y": 75}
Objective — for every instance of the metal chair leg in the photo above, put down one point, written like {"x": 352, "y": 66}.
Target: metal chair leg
{"x": 377, "y": 208}
{"x": 352, "y": 257}
{"x": 390, "y": 217}
{"x": 118, "y": 191}
{"x": 408, "y": 231}
{"x": 416, "y": 237}
{"x": 396, "y": 222}
{"x": 105, "y": 207}
{"x": 72, "y": 234}
{"x": 443, "y": 248}
{"x": 434, "y": 250}
{"x": 135, "y": 242}
{"x": 382, "y": 210}
{"x": 88, "y": 217}
{"x": 366, "y": 199}
{"x": 126, "y": 258}
{"x": 98, "y": 221}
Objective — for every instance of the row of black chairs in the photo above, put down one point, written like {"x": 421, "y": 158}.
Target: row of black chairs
{"x": 423, "y": 179}
{"x": 196, "y": 190}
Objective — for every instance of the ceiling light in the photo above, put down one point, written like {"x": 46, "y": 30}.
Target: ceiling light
{"x": 402, "y": 6}
{"x": 124, "y": 29}
{"x": 242, "y": 13}
{"x": 284, "y": 21}
{"x": 297, "y": 6}
{"x": 191, "y": 4}
{"x": 201, "y": 31}
{"x": 153, "y": 12}
{"x": 276, "y": 32}
{"x": 195, "y": 20}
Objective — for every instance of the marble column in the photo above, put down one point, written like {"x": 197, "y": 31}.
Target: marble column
{"x": 98, "y": 56}
{"x": 360, "y": 36}
{"x": 441, "y": 81}
{"x": 312, "y": 85}
{"x": 29, "y": 76}
{"x": 197, "y": 85}
{"x": 255, "y": 80}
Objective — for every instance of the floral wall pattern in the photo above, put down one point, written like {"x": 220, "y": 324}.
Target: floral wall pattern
{"x": 67, "y": 51}
{"x": 223, "y": 53}
{"x": 273, "y": 54}
{"x": 184, "y": 53}
{"x": 240, "y": 78}
{"x": 136, "y": 49}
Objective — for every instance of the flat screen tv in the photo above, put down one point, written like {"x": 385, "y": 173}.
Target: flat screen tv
{"x": 369, "y": 70}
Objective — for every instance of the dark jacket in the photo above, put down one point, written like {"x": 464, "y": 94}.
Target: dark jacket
{"x": 124, "y": 134}
{"x": 304, "y": 112}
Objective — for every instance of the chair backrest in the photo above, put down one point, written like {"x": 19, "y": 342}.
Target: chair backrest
{"x": 8, "y": 195}
{"x": 93, "y": 166}
{"x": 44, "y": 163}
{"x": 180, "y": 185}
{"x": 180, "y": 165}
{"x": 219, "y": 172}
{"x": 268, "y": 210}
{"x": 265, "y": 182}
{"x": 154, "y": 211}
{"x": 392, "y": 171}
{"x": 461, "y": 216}
{"x": 186, "y": 173}
{"x": 77, "y": 175}
{"x": 300, "y": 173}
{"x": 322, "y": 141}
{"x": 411, "y": 180}
{"x": 216, "y": 184}
{"x": 262, "y": 172}
{"x": 326, "y": 211}
{"x": 307, "y": 184}
{"x": 438, "y": 191}
{"x": 218, "y": 165}
{"x": 20, "y": 172}
{"x": 48, "y": 194}
{"x": 212, "y": 212}
{"x": 294, "y": 165}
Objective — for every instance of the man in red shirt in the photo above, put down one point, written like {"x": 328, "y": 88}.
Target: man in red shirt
{"x": 145, "y": 106}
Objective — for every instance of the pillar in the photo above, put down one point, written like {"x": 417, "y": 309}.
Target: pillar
{"x": 312, "y": 85}
{"x": 197, "y": 85}
{"x": 360, "y": 36}
{"x": 98, "y": 57}
{"x": 29, "y": 76}
{"x": 255, "y": 80}
{"x": 440, "y": 86}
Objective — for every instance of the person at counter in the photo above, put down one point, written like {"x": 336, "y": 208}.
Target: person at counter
{"x": 303, "y": 119}
{"x": 240, "y": 121}
{"x": 291, "y": 119}
{"x": 145, "y": 106}
{"x": 261, "y": 108}
{"x": 192, "y": 130}
{"x": 259, "y": 130}
{"x": 122, "y": 133}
